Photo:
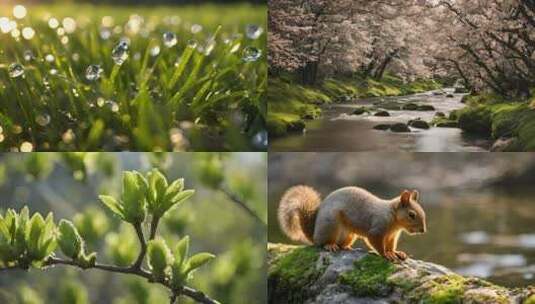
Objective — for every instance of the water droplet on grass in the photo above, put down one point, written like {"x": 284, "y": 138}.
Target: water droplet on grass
{"x": 53, "y": 23}
{"x": 75, "y": 56}
{"x": 120, "y": 53}
{"x": 42, "y": 119}
{"x": 28, "y": 55}
{"x": 192, "y": 43}
{"x": 26, "y": 147}
{"x": 93, "y": 72}
{"x": 49, "y": 58}
{"x": 251, "y": 54}
{"x": 155, "y": 50}
{"x": 100, "y": 102}
{"x": 112, "y": 105}
{"x": 15, "y": 70}
{"x": 235, "y": 48}
{"x": 195, "y": 28}
{"x": 53, "y": 72}
{"x": 169, "y": 39}
{"x": 105, "y": 33}
{"x": 28, "y": 33}
{"x": 68, "y": 136}
{"x": 253, "y": 31}
{"x": 260, "y": 140}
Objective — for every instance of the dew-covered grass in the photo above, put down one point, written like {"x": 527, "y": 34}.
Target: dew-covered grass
{"x": 82, "y": 77}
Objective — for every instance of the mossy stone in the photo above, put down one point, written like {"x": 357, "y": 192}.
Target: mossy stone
{"x": 400, "y": 128}
{"x": 382, "y": 114}
{"x": 410, "y": 107}
{"x": 382, "y": 127}
{"x": 369, "y": 276}
{"x": 419, "y": 124}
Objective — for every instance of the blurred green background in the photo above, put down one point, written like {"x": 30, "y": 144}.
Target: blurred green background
{"x": 68, "y": 184}
{"x": 480, "y": 207}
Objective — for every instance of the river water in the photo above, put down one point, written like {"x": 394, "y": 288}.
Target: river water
{"x": 338, "y": 130}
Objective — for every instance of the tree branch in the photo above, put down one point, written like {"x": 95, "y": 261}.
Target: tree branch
{"x": 190, "y": 292}
{"x": 234, "y": 198}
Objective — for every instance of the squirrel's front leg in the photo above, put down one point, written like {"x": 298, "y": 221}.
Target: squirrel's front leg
{"x": 378, "y": 243}
{"x": 392, "y": 244}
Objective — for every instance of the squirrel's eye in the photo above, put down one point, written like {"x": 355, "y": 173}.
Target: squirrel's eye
{"x": 412, "y": 214}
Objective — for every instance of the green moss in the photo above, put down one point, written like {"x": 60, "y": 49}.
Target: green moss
{"x": 369, "y": 276}
{"x": 293, "y": 272}
{"x": 280, "y": 124}
{"x": 447, "y": 289}
{"x": 476, "y": 119}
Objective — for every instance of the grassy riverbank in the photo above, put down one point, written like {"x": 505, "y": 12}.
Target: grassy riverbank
{"x": 512, "y": 122}
{"x": 290, "y": 104}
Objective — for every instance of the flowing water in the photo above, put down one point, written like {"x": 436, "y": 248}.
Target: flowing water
{"x": 338, "y": 130}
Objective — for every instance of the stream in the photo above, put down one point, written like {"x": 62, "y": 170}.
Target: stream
{"x": 338, "y": 130}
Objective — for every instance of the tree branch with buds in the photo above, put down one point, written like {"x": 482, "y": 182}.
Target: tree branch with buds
{"x": 31, "y": 241}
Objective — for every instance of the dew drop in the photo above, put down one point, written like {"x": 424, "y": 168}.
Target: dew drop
{"x": 105, "y": 33}
{"x": 112, "y": 105}
{"x": 19, "y": 11}
{"x": 28, "y": 55}
{"x": 28, "y": 33}
{"x": 53, "y": 23}
{"x": 75, "y": 56}
{"x": 93, "y": 72}
{"x": 68, "y": 136}
{"x": 155, "y": 50}
{"x": 26, "y": 147}
{"x": 192, "y": 43}
{"x": 253, "y": 31}
{"x": 42, "y": 119}
{"x": 260, "y": 140}
{"x": 100, "y": 102}
{"x": 251, "y": 54}
{"x": 120, "y": 53}
{"x": 49, "y": 58}
{"x": 169, "y": 39}
{"x": 15, "y": 70}
{"x": 195, "y": 28}
{"x": 235, "y": 48}
{"x": 53, "y": 72}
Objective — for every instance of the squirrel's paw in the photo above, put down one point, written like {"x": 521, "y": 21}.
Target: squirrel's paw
{"x": 331, "y": 247}
{"x": 401, "y": 255}
{"x": 391, "y": 256}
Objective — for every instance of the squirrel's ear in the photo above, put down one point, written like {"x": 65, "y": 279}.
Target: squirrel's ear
{"x": 415, "y": 195}
{"x": 404, "y": 199}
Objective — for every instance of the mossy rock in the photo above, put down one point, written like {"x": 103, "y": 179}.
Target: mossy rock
{"x": 400, "y": 128}
{"x": 382, "y": 114}
{"x": 410, "y": 107}
{"x": 419, "y": 124}
{"x": 383, "y": 127}
{"x": 360, "y": 111}
{"x": 440, "y": 114}
{"x": 310, "y": 275}
{"x": 450, "y": 95}
{"x": 461, "y": 90}
{"x": 280, "y": 124}
{"x": 476, "y": 120}
{"x": 426, "y": 108}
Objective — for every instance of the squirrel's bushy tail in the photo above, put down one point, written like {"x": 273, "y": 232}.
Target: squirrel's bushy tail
{"x": 297, "y": 213}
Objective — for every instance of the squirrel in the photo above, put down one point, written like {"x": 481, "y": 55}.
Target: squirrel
{"x": 350, "y": 213}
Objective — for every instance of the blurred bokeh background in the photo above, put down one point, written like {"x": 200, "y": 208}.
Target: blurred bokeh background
{"x": 68, "y": 184}
{"x": 480, "y": 207}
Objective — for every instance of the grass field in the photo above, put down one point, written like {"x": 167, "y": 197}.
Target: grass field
{"x": 191, "y": 78}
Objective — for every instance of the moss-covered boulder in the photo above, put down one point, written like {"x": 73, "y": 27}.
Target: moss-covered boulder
{"x": 382, "y": 114}
{"x": 298, "y": 274}
{"x": 382, "y": 127}
{"x": 410, "y": 107}
{"x": 426, "y": 108}
{"x": 419, "y": 124}
{"x": 360, "y": 111}
{"x": 400, "y": 128}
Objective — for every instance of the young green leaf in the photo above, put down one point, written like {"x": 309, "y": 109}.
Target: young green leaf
{"x": 199, "y": 260}
{"x": 157, "y": 187}
{"x": 113, "y": 205}
{"x": 134, "y": 197}
{"x": 181, "y": 250}
{"x": 159, "y": 258}
{"x": 70, "y": 242}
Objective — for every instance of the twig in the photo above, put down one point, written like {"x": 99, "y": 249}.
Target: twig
{"x": 154, "y": 227}
{"x": 234, "y": 198}
{"x": 143, "y": 251}
{"x": 194, "y": 294}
